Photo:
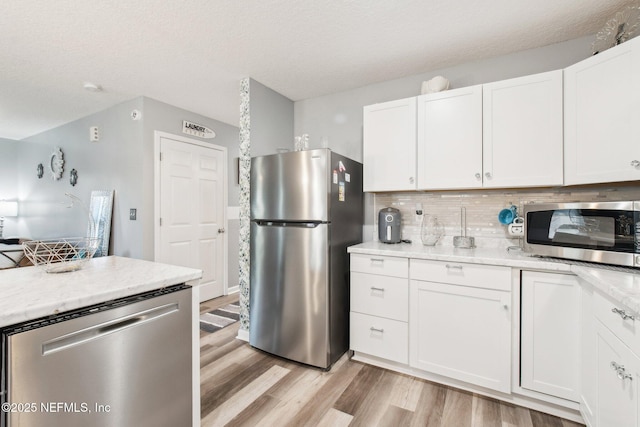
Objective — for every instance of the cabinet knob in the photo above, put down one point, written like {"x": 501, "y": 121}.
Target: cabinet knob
{"x": 622, "y": 314}
{"x": 221, "y": 230}
{"x": 411, "y": 180}
{"x": 488, "y": 175}
{"x": 635, "y": 163}
{"x": 621, "y": 371}
{"x": 478, "y": 176}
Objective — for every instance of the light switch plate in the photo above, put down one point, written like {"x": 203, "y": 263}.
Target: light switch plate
{"x": 133, "y": 214}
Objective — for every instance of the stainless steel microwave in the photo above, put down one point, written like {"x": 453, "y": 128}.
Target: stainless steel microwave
{"x": 603, "y": 232}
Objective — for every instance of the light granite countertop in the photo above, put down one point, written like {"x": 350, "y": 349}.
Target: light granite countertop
{"x": 28, "y": 293}
{"x": 622, "y": 286}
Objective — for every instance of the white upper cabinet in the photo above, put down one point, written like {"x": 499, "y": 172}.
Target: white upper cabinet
{"x": 522, "y": 131}
{"x": 602, "y": 107}
{"x": 450, "y": 139}
{"x": 389, "y": 146}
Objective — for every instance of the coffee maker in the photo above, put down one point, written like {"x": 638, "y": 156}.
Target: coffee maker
{"x": 389, "y": 221}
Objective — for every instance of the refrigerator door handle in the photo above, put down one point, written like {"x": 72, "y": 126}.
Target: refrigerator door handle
{"x": 311, "y": 224}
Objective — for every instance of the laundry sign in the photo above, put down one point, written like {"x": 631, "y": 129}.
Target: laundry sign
{"x": 195, "y": 129}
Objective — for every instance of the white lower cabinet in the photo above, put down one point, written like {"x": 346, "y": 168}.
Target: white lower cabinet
{"x": 549, "y": 338}
{"x": 379, "y": 307}
{"x": 454, "y": 323}
{"x": 610, "y": 368}
{"x": 460, "y": 331}
{"x": 617, "y": 377}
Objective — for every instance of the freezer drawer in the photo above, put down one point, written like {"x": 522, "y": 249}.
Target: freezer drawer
{"x": 128, "y": 365}
{"x": 289, "y": 310}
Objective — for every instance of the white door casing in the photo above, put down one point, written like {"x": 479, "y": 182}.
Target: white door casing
{"x": 190, "y": 208}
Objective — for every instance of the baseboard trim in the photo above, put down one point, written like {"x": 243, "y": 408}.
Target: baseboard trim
{"x": 243, "y": 335}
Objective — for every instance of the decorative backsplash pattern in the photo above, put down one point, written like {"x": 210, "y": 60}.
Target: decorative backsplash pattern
{"x": 245, "y": 173}
{"x": 482, "y": 207}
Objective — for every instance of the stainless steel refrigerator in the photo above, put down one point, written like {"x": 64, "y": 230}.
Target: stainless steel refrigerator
{"x": 306, "y": 208}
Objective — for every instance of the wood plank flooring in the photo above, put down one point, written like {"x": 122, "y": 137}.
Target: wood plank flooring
{"x": 241, "y": 386}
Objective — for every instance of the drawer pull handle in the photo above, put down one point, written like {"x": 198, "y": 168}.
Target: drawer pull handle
{"x": 373, "y": 288}
{"x": 621, "y": 371}
{"x": 380, "y": 260}
{"x": 622, "y": 314}
{"x": 453, "y": 267}
{"x": 374, "y": 329}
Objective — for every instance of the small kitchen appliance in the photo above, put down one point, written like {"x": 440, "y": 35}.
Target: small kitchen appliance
{"x": 389, "y": 220}
{"x": 604, "y": 232}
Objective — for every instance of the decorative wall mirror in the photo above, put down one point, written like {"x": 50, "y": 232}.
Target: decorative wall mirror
{"x": 56, "y": 164}
{"x": 100, "y": 209}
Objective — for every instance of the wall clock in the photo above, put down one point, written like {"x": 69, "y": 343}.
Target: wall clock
{"x": 56, "y": 164}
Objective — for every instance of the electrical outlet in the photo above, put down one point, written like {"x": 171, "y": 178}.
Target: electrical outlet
{"x": 133, "y": 214}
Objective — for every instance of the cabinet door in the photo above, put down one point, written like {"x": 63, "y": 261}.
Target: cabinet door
{"x": 602, "y": 106}
{"x": 550, "y": 328}
{"x": 389, "y": 146}
{"x": 522, "y": 131}
{"x": 617, "y": 378}
{"x": 450, "y": 139}
{"x": 588, "y": 359}
{"x": 461, "y": 332}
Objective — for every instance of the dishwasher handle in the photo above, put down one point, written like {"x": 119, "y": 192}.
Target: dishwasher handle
{"x": 100, "y": 330}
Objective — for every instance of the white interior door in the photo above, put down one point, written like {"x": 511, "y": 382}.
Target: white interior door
{"x": 192, "y": 210}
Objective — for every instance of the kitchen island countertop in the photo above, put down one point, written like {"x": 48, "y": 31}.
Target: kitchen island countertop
{"x": 622, "y": 286}
{"x": 28, "y": 293}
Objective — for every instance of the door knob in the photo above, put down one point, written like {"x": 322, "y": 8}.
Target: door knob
{"x": 220, "y": 230}
{"x": 478, "y": 176}
{"x": 488, "y": 175}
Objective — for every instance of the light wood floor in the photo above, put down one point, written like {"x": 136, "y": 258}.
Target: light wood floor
{"x": 241, "y": 386}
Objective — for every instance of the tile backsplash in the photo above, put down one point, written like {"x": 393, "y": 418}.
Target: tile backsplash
{"x": 482, "y": 207}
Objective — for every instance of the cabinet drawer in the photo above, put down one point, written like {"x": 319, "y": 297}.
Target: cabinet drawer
{"x": 385, "y": 338}
{"x": 380, "y": 296}
{"x": 626, "y": 329}
{"x": 459, "y": 273}
{"x": 384, "y": 265}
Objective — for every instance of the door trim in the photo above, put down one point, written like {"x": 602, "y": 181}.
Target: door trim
{"x": 157, "y": 135}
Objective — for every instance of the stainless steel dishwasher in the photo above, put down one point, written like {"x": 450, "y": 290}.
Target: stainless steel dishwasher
{"x": 122, "y": 363}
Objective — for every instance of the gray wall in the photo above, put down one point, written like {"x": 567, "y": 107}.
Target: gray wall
{"x": 113, "y": 163}
{"x": 271, "y": 120}
{"x": 123, "y": 160}
{"x": 338, "y": 117}
{"x": 9, "y": 181}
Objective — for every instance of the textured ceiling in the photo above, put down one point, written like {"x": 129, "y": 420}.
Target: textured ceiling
{"x": 193, "y": 53}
